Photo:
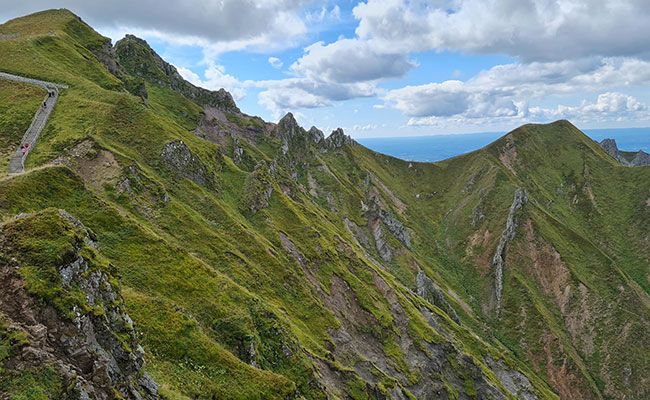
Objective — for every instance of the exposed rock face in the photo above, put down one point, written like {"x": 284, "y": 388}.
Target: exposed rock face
{"x": 178, "y": 158}
{"x": 428, "y": 290}
{"x": 139, "y": 59}
{"x": 629, "y": 159}
{"x": 641, "y": 159}
{"x": 610, "y": 147}
{"x": 394, "y": 226}
{"x": 498, "y": 261}
{"x": 259, "y": 187}
{"x": 380, "y": 243}
{"x": 514, "y": 381}
{"x": 106, "y": 55}
{"x": 90, "y": 342}
{"x": 237, "y": 150}
{"x": 338, "y": 139}
{"x": 288, "y": 127}
{"x": 316, "y": 134}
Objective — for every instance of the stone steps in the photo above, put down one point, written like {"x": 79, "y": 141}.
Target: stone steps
{"x": 16, "y": 164}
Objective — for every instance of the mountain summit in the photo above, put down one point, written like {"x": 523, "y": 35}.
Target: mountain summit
{"x": 161, "y": 243}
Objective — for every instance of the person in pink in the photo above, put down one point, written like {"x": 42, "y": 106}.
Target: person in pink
{"x": 24, "y": 148}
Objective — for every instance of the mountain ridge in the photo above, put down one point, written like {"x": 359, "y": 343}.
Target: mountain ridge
{"x": 261, "y": 260}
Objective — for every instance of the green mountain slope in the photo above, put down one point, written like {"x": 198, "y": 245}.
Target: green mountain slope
{"x": 261, "y": 260}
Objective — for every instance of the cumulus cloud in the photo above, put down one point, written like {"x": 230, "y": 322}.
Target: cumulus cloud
{"x": 350, "y": 60}
{"x": 563, "y": 46}
{"x": 290, "y": 94}
{"x": 224, "y": 25}
{"x": 610, "y": 106}
{"x": 529, "y": 29}
{"x": 504, "y": 91}
{"x": 275, "y": 62}
{"x": 326, "y": 73}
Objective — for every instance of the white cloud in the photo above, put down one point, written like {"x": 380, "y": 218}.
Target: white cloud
{"x": 528, "y": 29}
{"x": 290, "y": 94}
{"x": 275, "y": 62}
{"x": 504, "y": 91}
{"x": 610, "y": 106}
{"x": 350, "y": 60}
{"x": 325, "y": 74}
{"x": 323, "y": 14}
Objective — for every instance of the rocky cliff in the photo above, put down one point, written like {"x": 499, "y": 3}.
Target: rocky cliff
{"x": 627, "y": 158}
{"x": 63, "y": 322}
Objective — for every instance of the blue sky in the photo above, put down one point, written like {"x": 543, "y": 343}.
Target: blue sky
{"x": 401, "y": 67}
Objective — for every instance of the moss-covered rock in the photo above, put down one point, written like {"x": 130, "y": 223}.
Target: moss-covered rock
{"x": 68, "y": 313}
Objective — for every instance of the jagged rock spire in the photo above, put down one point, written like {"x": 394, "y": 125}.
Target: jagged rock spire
{"x": 316, "y": 134}
{"x": 338, "y": 139}
{"x": 288, "y": 125}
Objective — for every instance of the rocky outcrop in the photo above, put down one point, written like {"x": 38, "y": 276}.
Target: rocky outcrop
{"x": 258, "y": 187}
{"x": 140, "y": 60}
{"x": 626, "y": 158}
{"x": 237, "y": 150}
{"x": 316, "y": 134}
{"x": 338, "y": 139}
{"x": 178, "y": 158}
{"x": 514, "y": 381}
{"x": 288, "y": 127}
{"x": 498, "y": 261}
{"x": 610, "y": 147}
{"x": 105, "y": 53}
{"x": 429, "y": 291}
{"x": 641, "y": 159}
{"x": 69, "y": 311}
{"x": 394, "y": 226}
{"x": 380, "y": 243}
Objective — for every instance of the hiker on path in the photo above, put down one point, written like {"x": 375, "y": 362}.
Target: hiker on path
{"x": 23, "y": 149}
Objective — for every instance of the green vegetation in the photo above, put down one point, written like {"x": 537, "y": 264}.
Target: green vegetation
{"x": 249, "y": 286}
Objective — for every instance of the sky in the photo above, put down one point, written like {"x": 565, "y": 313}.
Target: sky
{"x": 399, "y": 67}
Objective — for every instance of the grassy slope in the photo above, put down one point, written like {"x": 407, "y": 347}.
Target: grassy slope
{"x": 584, "y": 208}
{"x": 204, "y": 280}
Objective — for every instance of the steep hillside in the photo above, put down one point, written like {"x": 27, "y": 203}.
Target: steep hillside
{"x": 262, "y": 260}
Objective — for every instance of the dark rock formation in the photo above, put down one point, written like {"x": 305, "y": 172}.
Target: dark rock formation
{"x": 338, "y": 139}
{"x": 316, "y": 134}
{"x": 140, "y": 60}
{"x": 610, "y": 147}
{"x": 626, "y": 158}
{"x": 512, "y": 380}
{"x": 641, "y": 159}
{"x": 429, "y": 291}
{"x": 81, "y": 331}
{"x": 288, "y": 127}
{"x": 394, "y": 226}
{"x": 178, "y": 158}
{"x": 106, "y": 55}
